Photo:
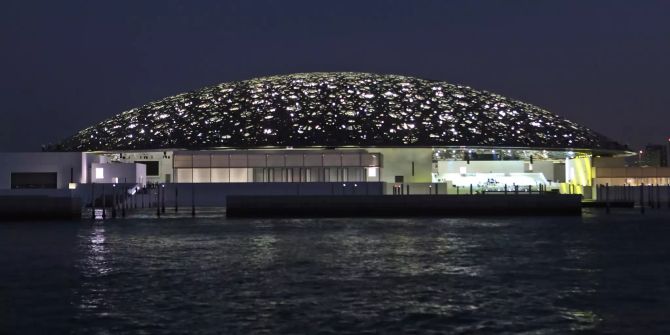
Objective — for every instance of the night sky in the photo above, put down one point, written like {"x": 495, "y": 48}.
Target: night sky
{"x": 66, "y": 65}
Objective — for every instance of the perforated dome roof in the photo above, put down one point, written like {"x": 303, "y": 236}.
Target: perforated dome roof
{"x": 332, "y": 110}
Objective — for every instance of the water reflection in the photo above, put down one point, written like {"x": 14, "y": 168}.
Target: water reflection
{"x": 549, "y": 275}
{"x": 94, "y": 265}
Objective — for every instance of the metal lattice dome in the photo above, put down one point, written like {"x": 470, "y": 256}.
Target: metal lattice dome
{"x": 332, "y": 110}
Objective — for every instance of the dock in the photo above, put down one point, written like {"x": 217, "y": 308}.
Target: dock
{"x": 404, "y": 205}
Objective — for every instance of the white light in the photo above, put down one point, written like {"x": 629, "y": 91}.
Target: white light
{"x": 72, "y": 186}
{"x": 372, "y": 172}
{"x": 463, "y": 170}
{"x": 115, "y": 180}
{"x": 99, "y": 173}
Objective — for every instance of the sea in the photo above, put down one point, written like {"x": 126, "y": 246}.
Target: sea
{"x": 595, "y": 274}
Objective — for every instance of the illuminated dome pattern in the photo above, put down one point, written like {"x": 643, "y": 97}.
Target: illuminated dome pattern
{"x": 331, "y": 110}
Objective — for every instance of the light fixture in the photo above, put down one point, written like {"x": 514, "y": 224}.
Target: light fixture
{"x": 72, "y": 186}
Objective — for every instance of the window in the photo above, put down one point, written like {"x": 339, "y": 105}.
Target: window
{"x": 99, "y": 173}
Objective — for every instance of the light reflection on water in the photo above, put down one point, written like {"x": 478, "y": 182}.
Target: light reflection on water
{"x": 537, "y": 275}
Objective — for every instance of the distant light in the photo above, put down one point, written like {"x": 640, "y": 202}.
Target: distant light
{"x": 72, "y": 186}
{"x": 463, "y": 170}
{"x": 99, "y": 173}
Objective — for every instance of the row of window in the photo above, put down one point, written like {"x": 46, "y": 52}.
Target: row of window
{"x": 255, "y": 160}
{"x": 276, "y": 175}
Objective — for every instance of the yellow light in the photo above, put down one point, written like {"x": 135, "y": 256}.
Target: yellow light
{"x": 72, "y": 186}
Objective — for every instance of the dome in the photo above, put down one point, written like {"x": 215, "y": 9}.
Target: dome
{"x": 334, "y": 110}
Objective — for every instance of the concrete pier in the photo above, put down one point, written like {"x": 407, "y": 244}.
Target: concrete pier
{"x": 403, "y": 205}
{"x": 39, "y": 207}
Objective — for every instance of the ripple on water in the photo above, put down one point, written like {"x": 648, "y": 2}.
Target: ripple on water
{"x": 333, "y": 276}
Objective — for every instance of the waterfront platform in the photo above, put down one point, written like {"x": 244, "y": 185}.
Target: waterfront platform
{"x": 605, "y": 204}
{"x": 39, "y": 207}
{"x": 403, "y": 205}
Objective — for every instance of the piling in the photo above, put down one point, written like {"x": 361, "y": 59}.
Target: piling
{"x": 93, "y": 201}
{"x": 162, "y": 189}
{"x": 192, "y": 200}
{"x": 114, "y": 201}
{"x": 642, "y": 198}
{"x": 104, "y": 203}
{"x": 158, "y": 196}
{"x": 607, "y": 198}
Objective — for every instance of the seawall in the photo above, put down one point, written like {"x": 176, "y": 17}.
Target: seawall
{"x": 403, "y": 205}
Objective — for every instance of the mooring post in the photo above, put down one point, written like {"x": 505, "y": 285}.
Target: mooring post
{"x": 407, "y": 189}
{"x": 93, "y": 201}
{"x": 470, "y": 189}
{"x": 158, "y": 199}
{"x": 192, "y": 199}
{"x": 176, "y": 199}
{"x": 505, "y": 189}
{"x": 658, "y": 196}
{"x": 607, "y": 198}
{"x": 650, "y": 197}
{"x": 114, "y": 201}
{"x": 104, "y": 203}
{"x": 516, "y": 189}
{"x": 642, "y": 198}
{"x": 124, "y": 202}
{"x": 163, "y": 197}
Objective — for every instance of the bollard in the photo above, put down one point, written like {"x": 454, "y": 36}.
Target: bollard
{"x": 436, "y": 188}
{"x": 505, "y": 189}
{"x": 658, "y": 196}
{"x": 470, "y": 189}
{"x": 176, "y": 199}
{"x": 407, "y": 189}
{"x": 516, "y": 189}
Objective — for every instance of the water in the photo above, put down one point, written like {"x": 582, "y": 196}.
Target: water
{"x": 595, "y": 274}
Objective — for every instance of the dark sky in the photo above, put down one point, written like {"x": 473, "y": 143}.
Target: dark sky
{"x": 66, "y": 65}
